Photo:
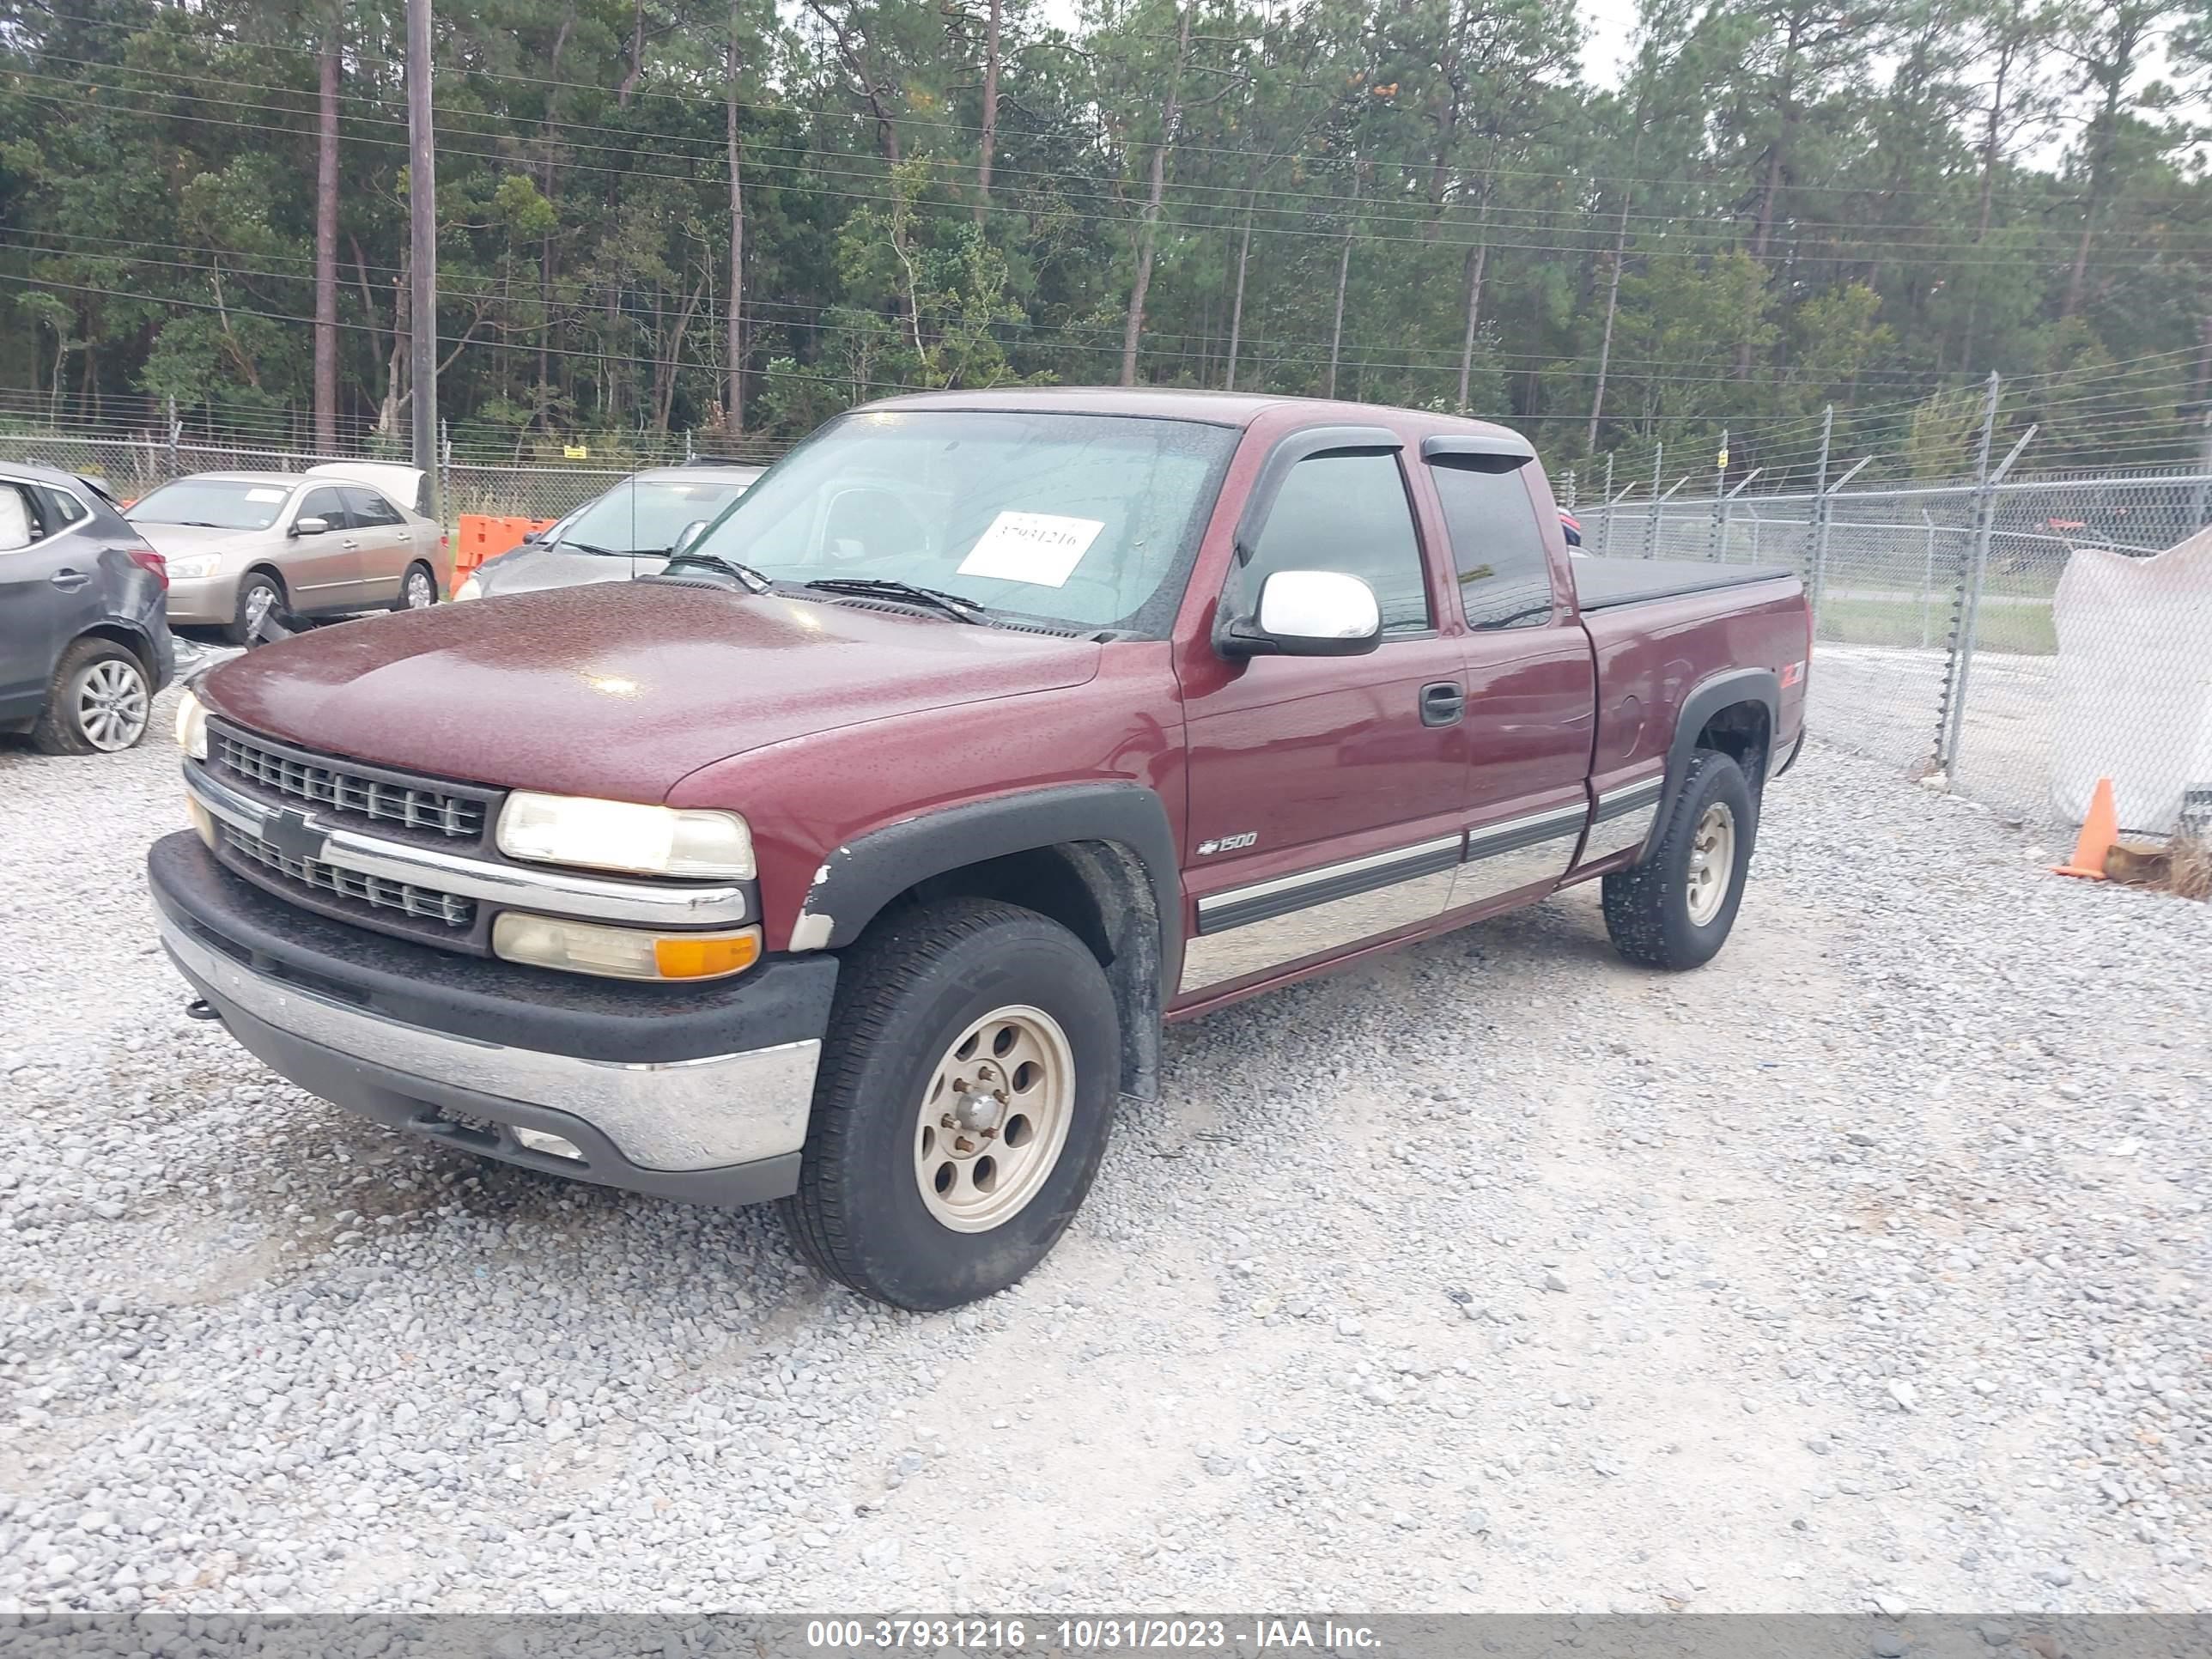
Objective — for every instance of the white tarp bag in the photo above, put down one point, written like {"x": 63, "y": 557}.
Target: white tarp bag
{"x": 2135, "y": 682}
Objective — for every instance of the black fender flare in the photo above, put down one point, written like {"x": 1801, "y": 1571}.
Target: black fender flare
{"x": 1706, "y": 699}
{"x": 857, "y": 880}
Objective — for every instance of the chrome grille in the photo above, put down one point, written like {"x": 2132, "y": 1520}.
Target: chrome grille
{"x": 333, "y": 784}
{"x": 424, "y": 903}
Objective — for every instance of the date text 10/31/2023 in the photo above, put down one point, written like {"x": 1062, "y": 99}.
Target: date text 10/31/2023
{"x": 1095, "y": 1635}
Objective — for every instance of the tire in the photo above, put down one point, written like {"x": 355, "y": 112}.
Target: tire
{"x": 100, "y": 701}
{"x": 419, "y": 580}
{"x": 1663, "y": 912}
{"x": 240, "y": 629}
{"x": 924, "y": 978}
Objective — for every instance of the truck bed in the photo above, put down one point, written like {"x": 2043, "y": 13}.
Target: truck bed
{"x": 1601, "y": 584}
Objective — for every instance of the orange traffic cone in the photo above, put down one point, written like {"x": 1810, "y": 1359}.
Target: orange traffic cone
{"x": 2098, "y": 831}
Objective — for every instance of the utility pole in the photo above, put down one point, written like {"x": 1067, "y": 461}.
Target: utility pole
{"x": 423, "y": 219}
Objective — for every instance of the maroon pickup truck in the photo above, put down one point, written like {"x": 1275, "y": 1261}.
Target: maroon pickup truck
{"x": 857, "y": 859}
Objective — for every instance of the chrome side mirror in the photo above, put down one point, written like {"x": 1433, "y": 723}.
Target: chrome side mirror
{"x": 310, "y": 526}
{"x": 1307, "y": 613}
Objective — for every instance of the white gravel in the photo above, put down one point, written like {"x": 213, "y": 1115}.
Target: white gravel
{"x": 1865, "y": 1268}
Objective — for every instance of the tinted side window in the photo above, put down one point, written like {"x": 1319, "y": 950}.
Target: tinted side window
{"x": 325, "y": 505}
{"x": 61, "y": 508}
{"x": 368, "y": 508}
{"x": 1505, "y": 576}
{"x": 1347, "y": 513}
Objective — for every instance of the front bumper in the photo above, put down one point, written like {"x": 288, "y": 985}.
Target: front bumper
{"x": 203, "y": 601}
{"x": 700, "y": 1093}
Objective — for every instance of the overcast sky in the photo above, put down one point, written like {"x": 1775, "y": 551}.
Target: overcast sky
{"x": 1607, "y": 25}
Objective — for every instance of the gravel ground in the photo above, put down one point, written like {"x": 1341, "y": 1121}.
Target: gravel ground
{"x": 1865, "y": 1268}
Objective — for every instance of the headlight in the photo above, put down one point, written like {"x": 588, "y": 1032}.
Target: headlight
{"x": 192, "y": 726}
{"x": 470, "y": 588}
{"x": 198, "y": 568}
{"x": 586, "y": 947}
{"x": 616, "y": 834}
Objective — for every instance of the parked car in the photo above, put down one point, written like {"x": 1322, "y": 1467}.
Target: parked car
{"x": 629, "y": 532}
{"x": 84, "y": 644}
{"x": 328, "y": 541}
{"x": 857, "y": 859}
{"x": 1572, "y": 528}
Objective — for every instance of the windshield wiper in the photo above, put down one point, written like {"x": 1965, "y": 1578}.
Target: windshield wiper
{"x": 589, "y": 547}
{"x": 753, "y": 580}
{"x": 957, "y": 606}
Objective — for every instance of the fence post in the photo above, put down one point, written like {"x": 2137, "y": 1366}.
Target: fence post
{"x": 1720, "y": 502}
{"x": 176, "y": 435}
{"x": 1927, "y": 580}
{"x": 1658, "y": 469}
{"x": 1571, "y": 489}
{"x": 1974, "y": 575}
{"x": 1817, "y": 570}
{"x": 444, "y": 504}
{"x": 1607, "y": 525}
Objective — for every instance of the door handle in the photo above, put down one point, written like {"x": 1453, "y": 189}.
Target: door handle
{"x": 69, "y": 581}
{"x": 349, "y": 542}
{"x": 1442, "y": 703}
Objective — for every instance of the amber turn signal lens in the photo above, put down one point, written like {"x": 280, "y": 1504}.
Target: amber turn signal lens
{"x": 706, "y": 955}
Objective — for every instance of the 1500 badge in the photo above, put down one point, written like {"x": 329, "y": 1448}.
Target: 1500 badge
{"x": 1228, "y": 844}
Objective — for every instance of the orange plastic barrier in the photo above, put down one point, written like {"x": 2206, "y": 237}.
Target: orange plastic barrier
{"x": 484, "y": 536}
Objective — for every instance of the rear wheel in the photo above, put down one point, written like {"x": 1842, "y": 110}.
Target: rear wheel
{"x": 258, "y": 595}
{"x": 100, "y": 702}
{"x": 418, "y": 589}
{"x": 966, "y": 1090}
{"x": 1675, "y": 909}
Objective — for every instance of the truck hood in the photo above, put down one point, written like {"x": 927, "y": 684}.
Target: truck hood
{"x": 618, "y": 690}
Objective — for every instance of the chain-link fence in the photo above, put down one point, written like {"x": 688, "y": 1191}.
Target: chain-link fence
{"x": 1945, "y": 645}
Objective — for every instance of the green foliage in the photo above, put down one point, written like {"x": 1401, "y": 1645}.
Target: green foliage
{"x": 1868, "y": 205}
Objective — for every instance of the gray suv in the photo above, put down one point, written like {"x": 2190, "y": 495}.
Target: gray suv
{"x": 84, "y": 642}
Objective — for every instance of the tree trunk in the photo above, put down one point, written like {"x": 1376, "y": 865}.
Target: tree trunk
{"x": 1243, "y": 260}
{"x": 634, "y": 71}
{"x": 735, "y": 415}
{"x": 1147, "y": 226}
{"x": 1612, "y": 310}
{"x": 1477, "y": 257}
{"x": 990, "y": 112}
{"x": 326, "y": 246}
{"x": 1343, "y": 275}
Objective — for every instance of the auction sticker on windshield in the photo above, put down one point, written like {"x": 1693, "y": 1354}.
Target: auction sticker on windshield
{"x": 1041, "y": 549}
{"x": 264, "y": 495}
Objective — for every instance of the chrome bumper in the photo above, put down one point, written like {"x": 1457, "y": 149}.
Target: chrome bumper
{"x": 703, "y": 1114}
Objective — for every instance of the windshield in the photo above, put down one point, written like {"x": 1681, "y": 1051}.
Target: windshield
{"x": 644, "y": 515}
{"x": 1085, "y": 521}
{"x": 223, "y": 503}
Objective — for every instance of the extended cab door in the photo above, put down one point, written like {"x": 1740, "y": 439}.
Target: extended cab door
{"x": 1531, "y": 677}
{"x": 1327, "y": 795}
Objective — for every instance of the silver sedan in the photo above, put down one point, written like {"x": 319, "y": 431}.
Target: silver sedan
{"x": 335, "y": 540}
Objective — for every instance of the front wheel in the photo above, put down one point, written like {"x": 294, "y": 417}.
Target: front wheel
{"x": 1675, "y": 909}
{"x": 967, "y": 1087}
{"x": 258, "y": 595}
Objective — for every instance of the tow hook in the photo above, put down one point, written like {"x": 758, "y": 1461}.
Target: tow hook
{"x": 201, "y": 1008}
